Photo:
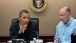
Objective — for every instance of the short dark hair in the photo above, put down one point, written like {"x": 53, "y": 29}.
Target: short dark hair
{"x": 68, "y": 10}
{"x": 23, "y": 11}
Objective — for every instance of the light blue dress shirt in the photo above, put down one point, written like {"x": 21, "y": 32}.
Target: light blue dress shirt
{"x": 64, "y": 31}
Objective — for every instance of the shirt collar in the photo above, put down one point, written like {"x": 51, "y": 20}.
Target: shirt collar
{"x": 69, "y": 20}
{"x": 19, "y": 25}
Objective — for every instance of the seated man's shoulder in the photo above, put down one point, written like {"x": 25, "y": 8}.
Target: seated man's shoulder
{"x": 32, "y": 23}
{"x": 15, "y": 22}
{"x": 74, "y": 21}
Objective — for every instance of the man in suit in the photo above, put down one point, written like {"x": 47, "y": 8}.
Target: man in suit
{"x": 23, "y": 28}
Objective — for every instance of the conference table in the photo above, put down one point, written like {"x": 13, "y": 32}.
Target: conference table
{"x": 45, "y": 37}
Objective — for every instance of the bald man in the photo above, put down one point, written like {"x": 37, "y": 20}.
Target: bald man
{"x": 65, "y": 27}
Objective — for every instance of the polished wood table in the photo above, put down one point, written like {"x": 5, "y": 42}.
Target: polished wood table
{"x": 45, "y": 37}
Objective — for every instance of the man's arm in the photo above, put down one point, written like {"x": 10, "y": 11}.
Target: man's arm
{"x": 56, "y": 38}
{"x": 14, "y": 32}
{"x": 33, "y": 32}
{"x": 74, "y": 33}
{"x": 69, "y": 41}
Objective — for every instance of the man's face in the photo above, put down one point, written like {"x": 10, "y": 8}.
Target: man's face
{"x": 64, "y": 16}
{"x": 24, "y": 19}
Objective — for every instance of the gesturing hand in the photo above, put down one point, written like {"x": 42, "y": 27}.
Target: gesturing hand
{"x": 22, "y": 27}
{"x": 56, "y": 41}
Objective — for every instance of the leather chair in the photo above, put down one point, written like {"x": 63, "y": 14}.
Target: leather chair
{"x": 73, "y": 38}
{"x": 35, "y": 20}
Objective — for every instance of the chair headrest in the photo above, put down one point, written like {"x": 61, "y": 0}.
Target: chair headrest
{"x": 31, "y": 19}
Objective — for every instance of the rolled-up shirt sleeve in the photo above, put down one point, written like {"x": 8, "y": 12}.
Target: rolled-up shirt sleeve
{"x": 74, "y": 30}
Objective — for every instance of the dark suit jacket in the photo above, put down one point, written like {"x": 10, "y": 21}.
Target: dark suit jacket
{"x": 28, "y": 34}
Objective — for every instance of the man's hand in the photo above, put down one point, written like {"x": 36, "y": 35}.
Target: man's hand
{"x": 56, "y": 41}
{"x": 22, "y": 27}
{"x": 75, "y": 32}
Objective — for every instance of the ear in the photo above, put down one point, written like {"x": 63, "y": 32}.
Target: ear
{"x": 18, "y": 18}
{"x": 69, "y": 14}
